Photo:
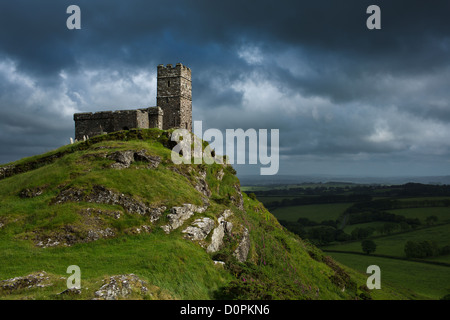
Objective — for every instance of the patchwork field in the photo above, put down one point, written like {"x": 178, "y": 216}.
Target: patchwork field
{"x": 394, "y": 214}
{"x": 314, "y": 212}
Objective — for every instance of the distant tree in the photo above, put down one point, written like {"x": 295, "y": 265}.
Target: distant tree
{"x": 404, "y": 226}
{"x": 322, "y": 234}
{"x": 430, "y": 220}
{"x": 368, "y": 246}
{"x": 413, "y": 250}
{"x": 362, "y": 233}
{"x": 429, "y": 248}
{"x": 389, "y": 227}
{"x": 331, "y": 223}
{"x": 342, "y": 236}
{"x": 421, "y": 249}
{"x": 445, "y": 250}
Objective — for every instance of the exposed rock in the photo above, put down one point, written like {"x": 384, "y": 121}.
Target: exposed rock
{"x": 238, "y": 200}
{"x": 34, "y": 280}
{"x": 94, "y": 235}
{"x": 225, "y": 215}
{"x": 219, "y": 263}
{"x": 31, "y": 192}
{"x": 98, "y": 212}
{"x": 220, "y": 175}
{"x": 125, "y": 158}
{"x": 199, "y": 229}
{"x": 70, "y": 292}
{"x": 179, "y": 215}
{"x": 103, "y": 195}
{"x": 243, "y": 248}
{"x": 70, "y": 235}
{"x": 139, "y": 230}
{"x": 121, "y": 286}
{"x": 7, "y": 171}
{"x": 142, "y": 156}
{"x": 199, "y": 183}
{"x": 202, "y": 186}
{"x": 219, "y": 232}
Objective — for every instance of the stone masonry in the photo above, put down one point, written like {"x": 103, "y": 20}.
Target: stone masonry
{"x": 173, "y": 110}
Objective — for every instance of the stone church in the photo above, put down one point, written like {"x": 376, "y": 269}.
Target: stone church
{"x": 173, "y": 110}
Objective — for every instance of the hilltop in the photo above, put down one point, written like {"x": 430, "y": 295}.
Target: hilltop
{"x": 140, "y": 227}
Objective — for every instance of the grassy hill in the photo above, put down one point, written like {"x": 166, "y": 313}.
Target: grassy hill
{"x": 117, "y": 207}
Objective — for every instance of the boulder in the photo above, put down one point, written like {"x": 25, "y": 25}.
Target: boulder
{"x": 120, "y": 287}
{"x": 199, "y": 229}
{"x": 219, "y": 232}
{"x": 243, "y": 248}
{"x": 179, "y": 215}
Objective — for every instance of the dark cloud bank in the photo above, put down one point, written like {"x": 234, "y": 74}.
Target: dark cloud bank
{"x": 347, "y": 100}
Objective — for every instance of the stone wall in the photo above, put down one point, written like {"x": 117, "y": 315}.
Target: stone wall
{"x": 93, "y": 124}
{"x": 155, "y": 117}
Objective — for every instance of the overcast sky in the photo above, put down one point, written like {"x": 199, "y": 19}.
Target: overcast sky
{"x": 347, "y": 100}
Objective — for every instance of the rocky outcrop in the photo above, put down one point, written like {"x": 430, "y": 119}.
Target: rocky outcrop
{"x": 31, "y": 192}
{"x": 125, "y": 158}
{"x": 102, "y": 195}
{"x": 197, "y": 181}
{"x": 243, "y": 248}
{"x": 178, "y": 215}
{"x": 220, "y": 175}
{"x": 199, "y": 229}
{"x": 92, "y": 227}
{"x": 139, "y": 230}
{"x": 238, "y": 200}
{"x": 70, "y": 235}
{"x": 120, "y": 287}
{"x": 130, "y": 286}
{"x": 219, "y": 232}
{"x": 34, "y": 280}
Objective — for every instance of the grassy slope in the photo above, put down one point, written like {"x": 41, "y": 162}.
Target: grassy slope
{"x": 404, "y": 274}
{"x": 280, "y": 265}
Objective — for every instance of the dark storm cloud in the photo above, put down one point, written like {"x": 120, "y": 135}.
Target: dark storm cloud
{"x": 310, "y": 68}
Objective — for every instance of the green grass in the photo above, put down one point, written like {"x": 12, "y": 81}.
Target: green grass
{"x": 279, "y": 265}
{"x": 169, "y": 262}
{"x": 394, "y": 245}
{"x": 349, "y": 228}
{"x": 442, "y": 213}
{"x": 314, "y": 212}
{"x": 428, "y": 281}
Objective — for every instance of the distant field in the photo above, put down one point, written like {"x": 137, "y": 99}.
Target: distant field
{"x": 424, "y": 198}
{"x": 428, "y": 280}
{"x": 267, "y": 199}
{"x": 349, "y": 228}
{"x": 291, "y": 186}
{"x": 314, "y": 212}
{"x": 394, "y": 245}
{"x": 443, "y": 213}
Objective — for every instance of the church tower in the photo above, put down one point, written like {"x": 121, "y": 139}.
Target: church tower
{"x": 174, "y": 96}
